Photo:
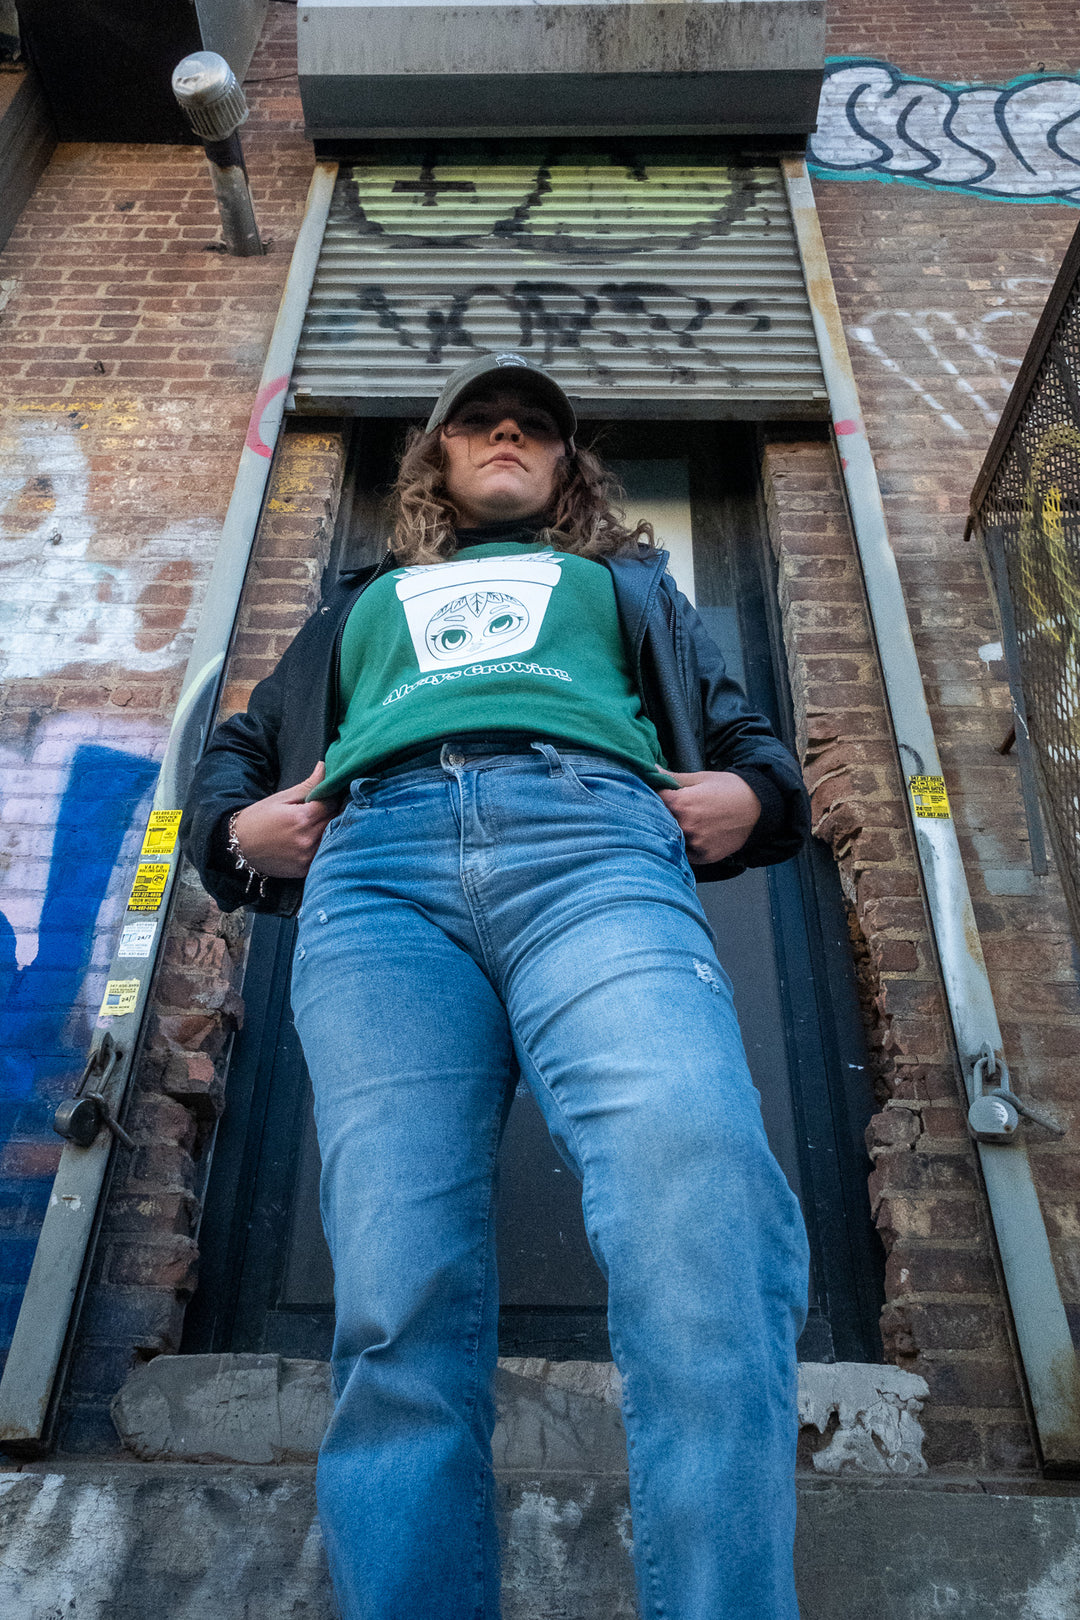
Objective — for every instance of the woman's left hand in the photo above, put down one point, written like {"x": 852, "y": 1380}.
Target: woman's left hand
{"x": 716, "y": 811}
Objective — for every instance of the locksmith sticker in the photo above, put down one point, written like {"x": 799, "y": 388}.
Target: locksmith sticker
{"x": 929, "y": 798}
{"x": 136, "y": 938}
{"x": 161, "y": 832}
{"x": 150, "y": 880}
{"x": 120, "y": 998}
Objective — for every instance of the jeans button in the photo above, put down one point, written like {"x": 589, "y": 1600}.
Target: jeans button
{"x": 455, "y": 758}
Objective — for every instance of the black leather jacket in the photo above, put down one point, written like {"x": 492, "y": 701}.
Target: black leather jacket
{"x": 701, "y": 718}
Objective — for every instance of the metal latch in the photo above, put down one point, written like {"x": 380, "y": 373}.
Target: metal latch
{"x": 994, "y": 1115}
{"x": 81, "y": 1117}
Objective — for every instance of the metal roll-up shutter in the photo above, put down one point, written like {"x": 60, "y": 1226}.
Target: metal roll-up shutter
{"x": 669, "y": 289}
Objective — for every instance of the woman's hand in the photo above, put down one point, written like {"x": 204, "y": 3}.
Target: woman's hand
{"x": 280, "y": 834}
{"x": 716, "y": 811}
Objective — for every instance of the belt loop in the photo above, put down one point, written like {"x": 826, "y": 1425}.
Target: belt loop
{"x": 554, "y": 763}
{"x": 356, "y": 789}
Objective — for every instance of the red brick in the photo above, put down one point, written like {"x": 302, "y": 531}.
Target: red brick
{"x": 168, "y": 1213}
{"x": 926, "y": 1217}
{"x": 1009, "y": 1449}
{"x": 160, "y": 1121}
{"x": 887, "y": 882}
{"x": 962, "y": 1325}
{"x": 916, "y": 1268}
{"x": 893, "y": 1128}
{"x": 953, "y": 1445}
{"x": 160, "y": 1166}
{"x": 921, "y": 1174}
{"x": 896, "y": 955}
{"x": 171, "y": 1263}
{"x": 973, "y": 1382}
{"x": 30, "y": 1161}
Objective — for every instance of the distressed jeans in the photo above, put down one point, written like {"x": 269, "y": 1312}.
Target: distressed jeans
{"x": 534, "y": 911}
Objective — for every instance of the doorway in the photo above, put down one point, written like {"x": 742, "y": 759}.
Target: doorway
{"x": 266, "y": 1281}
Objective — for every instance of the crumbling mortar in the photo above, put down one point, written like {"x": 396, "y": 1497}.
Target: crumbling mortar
{"x": 176, "y": 1080}
{"x": 841, "y": 816}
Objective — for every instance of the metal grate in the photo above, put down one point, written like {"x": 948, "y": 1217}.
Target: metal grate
{"x": 636, "y": 285}
{"x": 1027, "y": 507}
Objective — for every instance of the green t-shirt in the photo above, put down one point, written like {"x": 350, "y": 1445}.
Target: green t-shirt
{"x": 507, "y": 637}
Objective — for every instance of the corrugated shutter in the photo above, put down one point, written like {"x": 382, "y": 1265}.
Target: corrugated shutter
{"x": 674, "y": 285}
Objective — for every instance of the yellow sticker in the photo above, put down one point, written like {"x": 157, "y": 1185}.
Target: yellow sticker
{"x": 120, "y": 998}
{"x": 929, "y": 798}
{"x": 161, "y": 831}
{"x": 150, "y": 880}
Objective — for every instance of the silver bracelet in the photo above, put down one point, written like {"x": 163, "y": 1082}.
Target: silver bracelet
{"x": 242, "y": 861}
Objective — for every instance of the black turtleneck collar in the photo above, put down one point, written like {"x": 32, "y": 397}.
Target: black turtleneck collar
{"x": 519, "y": 531}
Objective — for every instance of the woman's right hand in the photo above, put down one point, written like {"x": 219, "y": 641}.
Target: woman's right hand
{"x": 279, "y": 835}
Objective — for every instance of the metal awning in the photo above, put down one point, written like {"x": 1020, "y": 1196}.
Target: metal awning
{"x": 667, "y": 290}
{"x": 380, "y": 69}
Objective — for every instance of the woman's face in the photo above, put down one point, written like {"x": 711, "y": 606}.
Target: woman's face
{"x": 502, "y": 452}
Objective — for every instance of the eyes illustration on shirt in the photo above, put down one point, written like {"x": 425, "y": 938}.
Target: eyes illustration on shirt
{"x": 476, "y": 623}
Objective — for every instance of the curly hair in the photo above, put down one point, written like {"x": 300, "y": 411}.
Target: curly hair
{"x": 583, "y": 515}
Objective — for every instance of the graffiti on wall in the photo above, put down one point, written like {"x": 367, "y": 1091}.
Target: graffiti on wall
{"x": 1016, "y": 142}
{"x": 961, "y": 367}
{"x": 74, "y": 588}
{"x": 48, "y": 939}
{"x": 76, "y": 791}
{"x": 89, "y": 592}
{"x": 648, "y": 280}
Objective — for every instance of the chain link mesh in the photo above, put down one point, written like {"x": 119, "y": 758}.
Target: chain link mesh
{"x": 1033, "y": 506}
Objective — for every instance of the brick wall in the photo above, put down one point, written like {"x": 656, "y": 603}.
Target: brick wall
{"x": 117, "y": 481}
{"x": 959, "y": 40}
{"x": 945, "y": 1316}
{"x": 146, "y": 1264}
{"x": 939, "y": 294}
{"x": 130, "y": 352}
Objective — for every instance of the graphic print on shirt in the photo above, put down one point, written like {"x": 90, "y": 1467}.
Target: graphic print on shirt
{"x": 488, "y": 607}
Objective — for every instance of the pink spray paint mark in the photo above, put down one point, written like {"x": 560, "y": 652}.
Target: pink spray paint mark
{"x": 255, "y": 440}
{"x": 846, "y": 426}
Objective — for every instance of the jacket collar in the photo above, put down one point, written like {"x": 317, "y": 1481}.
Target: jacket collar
{"x": 636, "y": 581}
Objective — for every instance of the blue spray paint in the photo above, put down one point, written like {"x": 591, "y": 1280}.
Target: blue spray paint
{"x": 42, "y": 1045}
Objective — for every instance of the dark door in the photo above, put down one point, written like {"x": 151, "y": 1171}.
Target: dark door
{"x": 266, "y": 1277}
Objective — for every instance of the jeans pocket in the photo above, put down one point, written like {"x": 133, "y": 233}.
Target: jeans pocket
{"x": 337, "y": 825}
{"x": 626, "y": 797}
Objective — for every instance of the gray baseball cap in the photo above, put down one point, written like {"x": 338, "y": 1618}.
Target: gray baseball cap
{"x": 470, "y": 379}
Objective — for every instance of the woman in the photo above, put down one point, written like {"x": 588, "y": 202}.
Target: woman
{"x": 534, "y": 734}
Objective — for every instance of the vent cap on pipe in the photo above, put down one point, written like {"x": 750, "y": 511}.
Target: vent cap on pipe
{"x": 209, "y": 93}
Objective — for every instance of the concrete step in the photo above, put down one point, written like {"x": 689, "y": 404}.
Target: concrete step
{"x": 97, "y": 1540}
{"x": 552, "y": 1415}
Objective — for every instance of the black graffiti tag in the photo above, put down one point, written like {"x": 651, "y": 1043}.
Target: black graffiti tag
{"x": 554, "y": 315}
{"x": 630, "y": 298}
{"x": 375, "y": 301}
{"x": 540, "y": 308}
{"x": 448, "y": 330}
{"x": 541, "y": 311}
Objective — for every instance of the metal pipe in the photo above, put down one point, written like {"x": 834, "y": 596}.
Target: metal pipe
{"x": 61, "y": 1260}
{"x": 1046, "y": 1347}
{"x": 208, "y": 92}
{"x": 229, "y": 177}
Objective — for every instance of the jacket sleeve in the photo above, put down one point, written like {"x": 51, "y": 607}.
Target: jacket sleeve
{"x": 241, "y": 764}
{"x": 738, "y": 739}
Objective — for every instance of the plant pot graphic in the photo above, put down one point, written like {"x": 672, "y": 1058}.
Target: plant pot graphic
{"x": 467, "y": 612}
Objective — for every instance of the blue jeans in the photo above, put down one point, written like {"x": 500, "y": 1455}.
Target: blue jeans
{"x": 535, "y": 910}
